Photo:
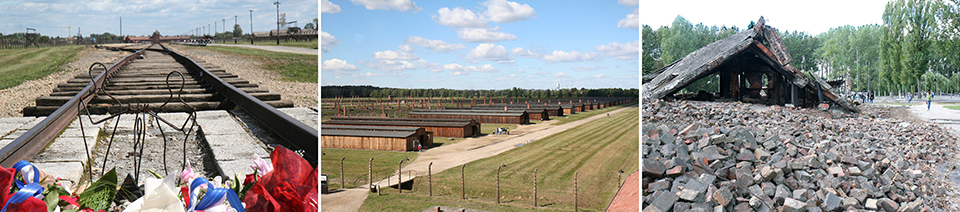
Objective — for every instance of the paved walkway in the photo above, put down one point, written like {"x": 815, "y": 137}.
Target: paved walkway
{"x": 287, "y": 49}
{"x": 938, "y": 114}
{"x": 454, "y": 155}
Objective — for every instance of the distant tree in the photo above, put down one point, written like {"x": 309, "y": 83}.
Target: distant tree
{"x": 309, "y": 25}
{"x": 237, "y": 32}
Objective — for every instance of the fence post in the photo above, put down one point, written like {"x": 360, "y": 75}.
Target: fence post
{"x": 535, "y": 188}
{"x": 463, "y": 193}
{"x": 342, "y": 185}
{"x": 370, "y": 175}
{"x": 576, "y": 201}
{"x": 498, "y": 184}
{"x": 430, "y": 177}
{"x": 399, "y": 177}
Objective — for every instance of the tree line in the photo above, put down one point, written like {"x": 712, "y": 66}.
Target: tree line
{"x": 913, "y": 50}
{"x": 378, "y": 92}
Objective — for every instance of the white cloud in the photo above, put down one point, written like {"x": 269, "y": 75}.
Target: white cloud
{"x": 368, "y": 74}
{"x": 561, "y": 74}
{"x": 629, "y": 2}
{"x": 526, "y": 53}
{"x": 400, "y": 65}
{"x": 392, "y": 55}
{"x": 519, "y": 70}
{"x": 503, "y": 11}
{"x": 491, "y": 52}
{"x": 457, "y": 69}
{"x": 541, "y": 73}
{"x": 482, "y": 35}
{"x": 327, "y": 41}
{"x": 572, "y": 56}
{"x": 401, "y": 5}
{"x": 626, "y": 51}
{"x": 598, "y": 76}
{"x": 406, "y": 48}
{"x": 329, "y": 7}
{"x": 435, "y": 45}
{"x": 459, "y": 17}
{"x": 586, "y": 68}
{"x": 632, "y": 20}
{"x": 338, "y": 66}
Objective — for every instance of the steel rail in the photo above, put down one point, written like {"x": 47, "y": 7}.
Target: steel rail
{"x": 34, "y": 140}
{"x": 295, "y": 133}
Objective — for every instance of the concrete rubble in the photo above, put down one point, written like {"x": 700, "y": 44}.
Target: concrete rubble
{"x": 715, "y": 156}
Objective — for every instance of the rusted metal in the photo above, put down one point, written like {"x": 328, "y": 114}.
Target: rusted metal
{"x": 295, "y": 133}
{"x": 30, "y": 143}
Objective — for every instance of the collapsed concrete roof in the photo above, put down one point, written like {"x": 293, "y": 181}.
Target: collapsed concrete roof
{"x": 753, "y": 66}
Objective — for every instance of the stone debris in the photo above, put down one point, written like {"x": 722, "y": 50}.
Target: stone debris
{"x": 713, "y": 156}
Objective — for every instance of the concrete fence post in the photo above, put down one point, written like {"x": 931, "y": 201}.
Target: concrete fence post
{"x": 342, "y": 185}
{"x": 576, "y": 201}
{"x": 463, "y": 191}
{"x": 498, "y": 184}
{"x": 370, "y": 175}
{"x": 535, "y": 187}
{"x": 399, "y": 177}
{"x": 430, "y": 177}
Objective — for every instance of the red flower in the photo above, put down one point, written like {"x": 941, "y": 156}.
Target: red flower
{"x": 291, "y": 186}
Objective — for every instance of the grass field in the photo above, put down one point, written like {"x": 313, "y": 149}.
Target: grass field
{"x": 597, "y": 150}
{"x": 20, "y": 65}
{"x": 356, "y": 165}
{"x": 567, "y": 118}
{"x": 954, "y": 107}
{"x": 314, "y": 44}
{"x": 294, "y": 67}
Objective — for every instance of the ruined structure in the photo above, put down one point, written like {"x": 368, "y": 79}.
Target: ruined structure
{"x": 753, "y": 67}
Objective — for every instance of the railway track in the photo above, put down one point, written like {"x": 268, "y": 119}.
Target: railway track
{"x": 151, "y": 80}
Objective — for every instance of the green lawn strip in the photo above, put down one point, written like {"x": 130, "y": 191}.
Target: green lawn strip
{"x": 314, "y": 44}
{"x": 597, "y": 150}
{"x": 294, "y": 67}
{"x": 489, "y": 128}
{"x": 954, "y": 107}
{"x": 440, "y": 141}
{"x": 356, "y": 163}
{"x": 567, "y": 118}
{"x": 34, "y": 63}
{"x": 406, "y": 202}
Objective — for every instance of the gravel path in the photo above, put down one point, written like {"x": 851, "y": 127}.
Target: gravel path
{"x": 13, "y": 100}
{"x": 302, "y": 94}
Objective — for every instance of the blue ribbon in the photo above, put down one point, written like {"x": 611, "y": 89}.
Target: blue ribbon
{"x": 20, "y": 165}
{"x": 212, "y": 196}
{"x": 30, "y": 190}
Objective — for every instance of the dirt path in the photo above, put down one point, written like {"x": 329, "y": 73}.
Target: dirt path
{"x": 450, "y": 156}
{"x": 286, "y": 49}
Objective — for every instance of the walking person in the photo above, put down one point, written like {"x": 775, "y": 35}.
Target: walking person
{"x": 929, "y": 98}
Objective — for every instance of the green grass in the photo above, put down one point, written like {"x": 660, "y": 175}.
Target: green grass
{"x": 597, "y": 150}
{"x": 488, "y": 128}
{"x": 567, "y": 118}
{"x": 954, "y": 107}
{"x": 21, "y": 65}
{"x": 440, "y": 141}
{"x": 356, "y": 165}
{"x": 314, "y": 44}
{"x": 294, "y": 67}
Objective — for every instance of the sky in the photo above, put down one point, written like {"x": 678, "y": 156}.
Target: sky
{"x": 480, "y": 44}
{"x": 812, "y": 16}
{"x": 142, "y": 17}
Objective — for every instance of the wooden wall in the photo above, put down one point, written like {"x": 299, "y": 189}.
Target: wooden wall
{"x": 371, "y": 143}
